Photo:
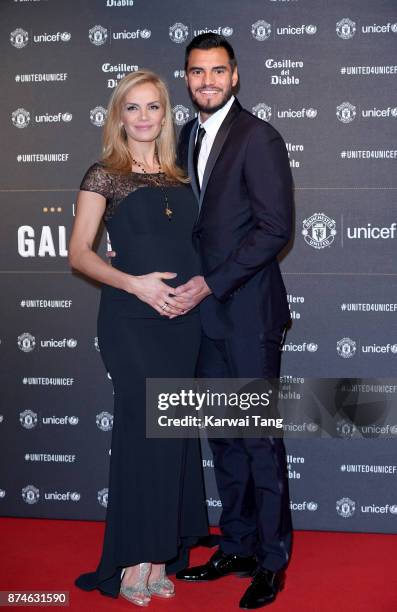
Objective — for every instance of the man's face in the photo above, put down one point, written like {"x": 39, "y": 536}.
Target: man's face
{"x": 210, "y": 79}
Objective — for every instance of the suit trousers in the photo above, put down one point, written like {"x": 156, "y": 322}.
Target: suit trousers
{"x": 251, "y": 473}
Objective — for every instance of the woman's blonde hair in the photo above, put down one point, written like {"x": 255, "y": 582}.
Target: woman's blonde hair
{"x": 116, "y": 156}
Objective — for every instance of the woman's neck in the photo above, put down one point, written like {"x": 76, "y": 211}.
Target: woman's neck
{"x": 144, "y": 153}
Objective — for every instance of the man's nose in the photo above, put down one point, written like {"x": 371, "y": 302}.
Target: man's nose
{"x": 208, "y": 78}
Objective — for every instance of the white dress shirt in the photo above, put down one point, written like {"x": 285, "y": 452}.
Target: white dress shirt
{"x": 211, "y": 126}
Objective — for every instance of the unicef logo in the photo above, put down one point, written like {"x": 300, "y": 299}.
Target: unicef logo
{"x": 346, "y": 348}
{"x": 98, "y": 35}
{"x": 346, "y": 28}
{"x": 66, "y": 117}
{"x": 227, "y": 31}
{"x": 71, "y": 343}
{"x": 66, "y": 36}
{"x": 146, "y": 33}
{"x": 104, "y": 421}
{"x": 311, "y": 113}
{"x": 319, "y": 231}
{"x": 393, "y": 430}
{"x": 312, "y": 506}
{"x": 393, "y": 509}
{"x": 26, "y": 342}
{"x": 103, "y": 497}
{"x": 2, "y": 494}
{"x": 28, "y": 419}
{"x": 98, "y": 116}
{"x": 346, "y": 112}
{"x": 30, "y": 494}
{"x": 19, "y": 38}
{"x": 75, "y": 496}
{"x": 394, "y": 28}
{"x": 181, "y": 114}
{"x": 311, "y": 29}
{"x": 262, "y": 111}
{"x": 178, "y": 33}
{"x": 345, "y": 507}
{"x": 261, "y": 30}
{"x": 73, "y": 420}
{"x": 96, "y": 343}
{"x": 20, "y": 118}
{"x": 312, "y": 347}
{"x": 393, "y": 348}
{"x": 394, "y": 112}
{"x": 345, "y": 429}
{"x": 312, "y": 427}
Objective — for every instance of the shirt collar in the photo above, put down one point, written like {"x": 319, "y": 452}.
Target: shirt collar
{"x": 213, "y": 123}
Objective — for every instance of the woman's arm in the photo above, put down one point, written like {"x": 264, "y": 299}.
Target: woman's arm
{"x": 90, "y": 208}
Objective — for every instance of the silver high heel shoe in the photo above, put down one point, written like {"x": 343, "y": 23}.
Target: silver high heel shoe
{"x": 139, "y": 593}
{"x": 162, "y": 587}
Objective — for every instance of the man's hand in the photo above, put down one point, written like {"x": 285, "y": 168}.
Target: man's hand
{"x": 191, "y": 293}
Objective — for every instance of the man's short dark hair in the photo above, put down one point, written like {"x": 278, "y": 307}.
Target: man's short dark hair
{"x": 210, "y": 40}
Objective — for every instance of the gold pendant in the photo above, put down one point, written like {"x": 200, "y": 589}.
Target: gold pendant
{"x": 168, "y": 211}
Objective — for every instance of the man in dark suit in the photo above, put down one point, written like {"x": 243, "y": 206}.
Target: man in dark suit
{"x": 240, "y": 174}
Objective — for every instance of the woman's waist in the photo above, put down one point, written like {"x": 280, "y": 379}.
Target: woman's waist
{"x": 184, "y": 266}
{"x": 116, "y": 302}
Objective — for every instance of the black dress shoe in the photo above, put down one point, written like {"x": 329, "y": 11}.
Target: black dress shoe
{"x": 218, "y": 566}
{"x": 263, "y": 589}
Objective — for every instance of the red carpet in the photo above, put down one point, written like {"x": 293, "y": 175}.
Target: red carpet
{"x": 329, "y": 572}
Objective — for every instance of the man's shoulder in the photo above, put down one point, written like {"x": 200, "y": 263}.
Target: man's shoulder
{"x": 253, "y": 125}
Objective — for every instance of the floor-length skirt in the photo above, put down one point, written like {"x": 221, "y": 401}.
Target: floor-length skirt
{"x": 156, "y": 503}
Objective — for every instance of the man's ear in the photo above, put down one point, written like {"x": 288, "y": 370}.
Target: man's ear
{"x": 235, "y": 77}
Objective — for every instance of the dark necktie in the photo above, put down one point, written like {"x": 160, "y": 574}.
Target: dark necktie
{"x": 196, "y": 152}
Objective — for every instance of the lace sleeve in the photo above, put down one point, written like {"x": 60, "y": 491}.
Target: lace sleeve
{"x": 96, "y": 179}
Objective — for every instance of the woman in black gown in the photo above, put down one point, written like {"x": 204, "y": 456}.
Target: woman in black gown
{"x": 156, "y": 498}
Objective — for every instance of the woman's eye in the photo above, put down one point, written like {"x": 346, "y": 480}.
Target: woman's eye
{"x": 154, "y": 107}
{"x": 131, "y": 107}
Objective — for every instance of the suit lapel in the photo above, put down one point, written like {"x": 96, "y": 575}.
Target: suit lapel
{"x": 217, "y": 146}
{"x": 190, "y": 167}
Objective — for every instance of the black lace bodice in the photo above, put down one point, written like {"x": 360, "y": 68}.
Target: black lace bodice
{"x": 116, "y": 187}
{"x": 144, "y": 237}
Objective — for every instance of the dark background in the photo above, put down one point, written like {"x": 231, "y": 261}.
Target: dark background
{"x": 41, "y": 194}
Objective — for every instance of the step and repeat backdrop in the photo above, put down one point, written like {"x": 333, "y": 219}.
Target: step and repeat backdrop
{"x": 323, "y": 73}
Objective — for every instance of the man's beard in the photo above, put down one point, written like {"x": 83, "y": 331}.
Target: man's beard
{"x": 208, "y": 109}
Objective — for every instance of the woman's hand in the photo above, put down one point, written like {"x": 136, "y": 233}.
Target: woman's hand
{"x": 151, "y": 289}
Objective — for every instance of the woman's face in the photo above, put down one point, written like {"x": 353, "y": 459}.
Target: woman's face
{"x": 142, "y": 113}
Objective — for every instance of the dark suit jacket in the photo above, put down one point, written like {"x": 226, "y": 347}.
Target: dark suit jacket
{"x": 245, "y": 220}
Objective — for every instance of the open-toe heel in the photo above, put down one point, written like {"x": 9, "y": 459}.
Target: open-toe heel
{"x": 138, "y": 594}
{"x": 162, "y": 587}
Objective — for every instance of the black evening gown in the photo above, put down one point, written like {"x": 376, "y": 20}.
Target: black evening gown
{"x": 156, "y": 503}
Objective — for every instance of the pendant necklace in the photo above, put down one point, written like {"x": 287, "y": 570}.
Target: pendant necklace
{"x": 167, "y": 209}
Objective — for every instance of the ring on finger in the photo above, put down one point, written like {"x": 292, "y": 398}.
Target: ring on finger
{"x": 164, "y": 306}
